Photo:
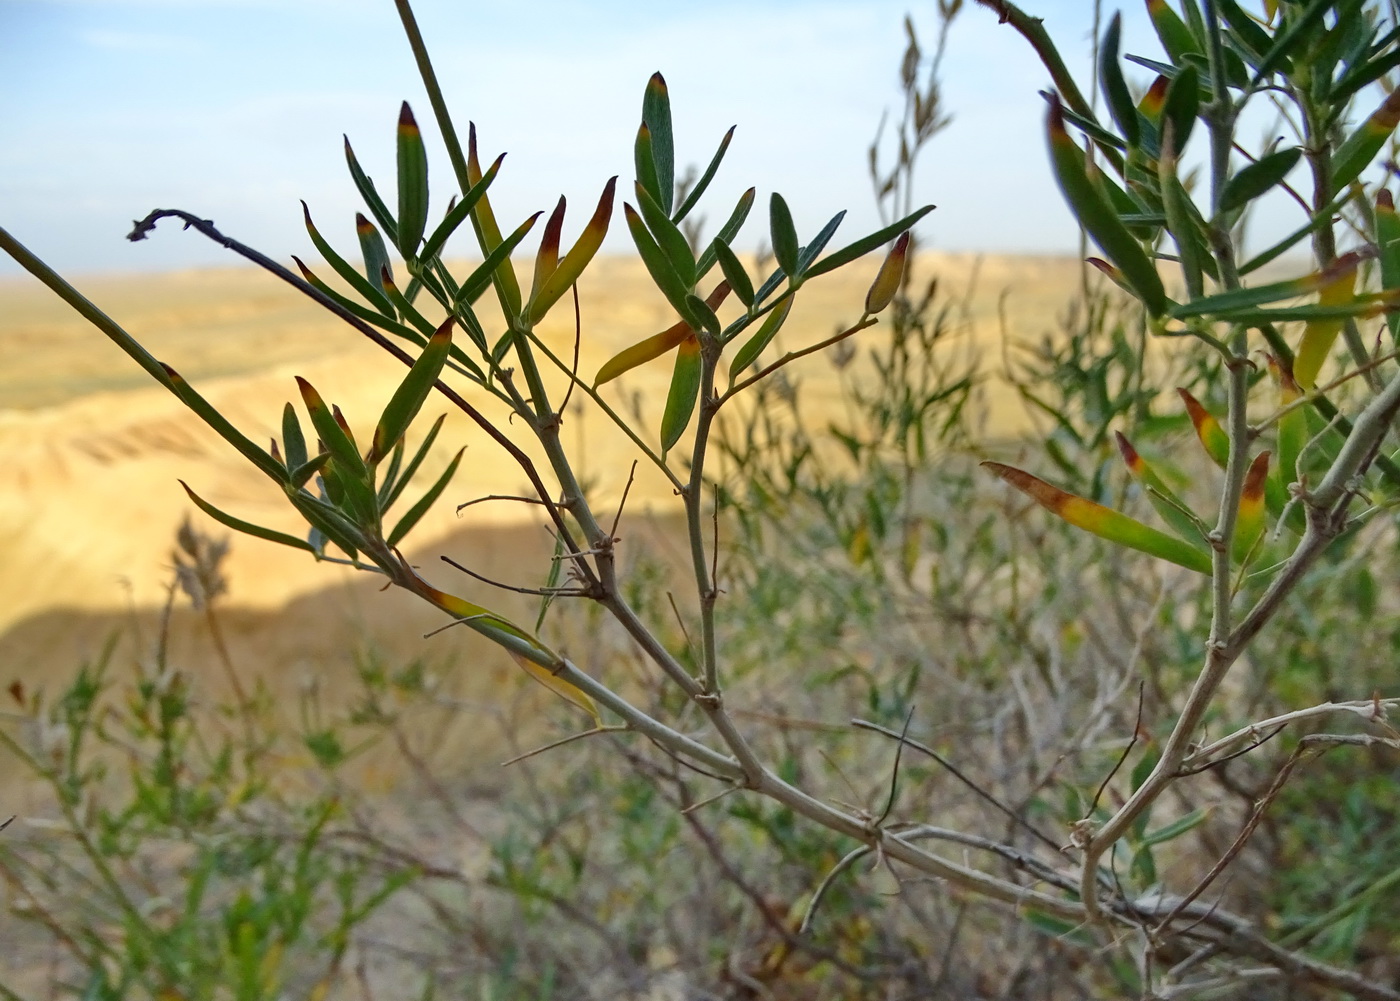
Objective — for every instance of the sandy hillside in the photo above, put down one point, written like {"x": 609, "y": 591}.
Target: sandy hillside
{"x": 89, "y": 500}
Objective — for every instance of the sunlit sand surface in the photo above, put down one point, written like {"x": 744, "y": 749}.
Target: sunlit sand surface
{"x": 89, "y": 498}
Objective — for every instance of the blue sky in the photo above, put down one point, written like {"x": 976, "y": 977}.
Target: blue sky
{"x": 234, "y": 109}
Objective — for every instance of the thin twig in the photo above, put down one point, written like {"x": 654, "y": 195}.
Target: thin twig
{"x": 621, "y": 728}
{"x": 617, "y": 518}
{"x": 792, "y": 356}
{"x": 1010, "y": 814}
{"x": 500, "y": 497}
{"x": 1137, "y": 727}
{"x": 539, "y": 592}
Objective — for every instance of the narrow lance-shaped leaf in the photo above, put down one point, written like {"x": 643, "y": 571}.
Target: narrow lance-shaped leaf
{"x": 1114, "y": 87}
{"x": 1098, "y": 217}
{"x": 357, "y": 281}
{"x": 1169, "y": 507}
{"x": 376, "y": 254}
{"x": 460, "y": 211}
{"x": 656, "y": 114}
{"x": 413, "y": 184}
{"x": 547, "y": 257}
{"x": 369, "y": 193}
{"x": 1319, "y": 335}
{"x": 292, "y": 438}
{"x": 494, "y": 627}
{"x": 1212, "y": 436}
{"x": 488, "y": 236}
{"x": 489, "y": 270}
{"x": 1225, "y": 305}
{"x": 645, "y": 163}
{"x": 1104, "y": 522}
{"x": 668, "y": 237}
{"x": 221, "y": 425}
{"x": 783, "y": 234}
{"x": 685, "y": 388}
{"x": 866, "y": 244}
{"x": 394, "y": 480}
{"x": 408, "y": 399}
{"x": 337, "y": 442}
{"x": 1360, "y": 148}
{"x": 692, "y": 198}
{"x": 405, "y": 308}
{"x": 755, "y": 345}
{"x": 1181, "y": 106}
{"x": 727, "y": 232}
{"x": 656, "y": 345}
{"x": 420, "y": 508}
{"x": 889, "y": 278}
{"x": 1175, "y": 37}
{"x": 578, "y": 257}
{"x": 557, "y": 685}
{"x": 384, "y": 320}
{"x": 734, "y": 272}
{"x": 659, "y": 266}
{"x": 1257, "y": 178}
{"x": 818, "y": 243}
{"x": 1388, "y": 240}
{"x": 1292, "y": 426}
{"x": 1249, "y": 519}
{"x": 245, "y": 527}
{"x": 301, "y": 475}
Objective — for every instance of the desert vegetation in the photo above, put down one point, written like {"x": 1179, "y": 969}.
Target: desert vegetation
{"x": 889, "y": 706}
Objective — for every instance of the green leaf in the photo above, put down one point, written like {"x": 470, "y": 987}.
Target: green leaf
{"x": 394, "y": 484}
{"x": 1176, "y": 828}
{"x": 376, "y": 255}
{"x": 302, "y": 474}
{"x": 488, "y": 237}
{"x": 405, "y": 308}
{"x": 809, "y": 253}
{"x": 460, "y": 212}
{"x": 357, "y": 281}
{"x": 645, "y": 162}
{"x": 1169, "y": 507}
{"x": 668, "y": 237}
{"x": 783, "y": 234}
{"x": 656, "y": 115}
{"x": 866, "y": 244}
{"x": 1175, "y": 37}
{"x": 1182, "y": 105}
{"x": 415, "y": 513}
{"x": 693, "y": 197}
{"x": 1360, "y": 148}
{"x": 221, "y": 426}
{"x": 376, "y": 205}
{"x": 734, "y": 272}
{"x": 1114, "y": 87}
{"x": 755, "y": 345}
{"x": 337, "y": 442}
{"x": 413, "y": 184}
{"x": 578, "y": 257}
{"x": 1253, "y": 39}
{"x": 726, "y": 233}
{"x": 642, "y": 352}
{"x": 408, "y": 399}
{"x": 245, "y": 527}
{"x": 658, "y": 264}
{"x": 384, "y": 322}
{"x": 1257, "y": 178}
{"x": 1291, "y": 39}
{"x": 489, "y": 270}
{"x": 1098, "y": 218}
{"x": 1108, "y": 524}
{"x": 1388, "y": 242}
{"x": 293, "y": 441}
{"x": 685, "y": 388}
